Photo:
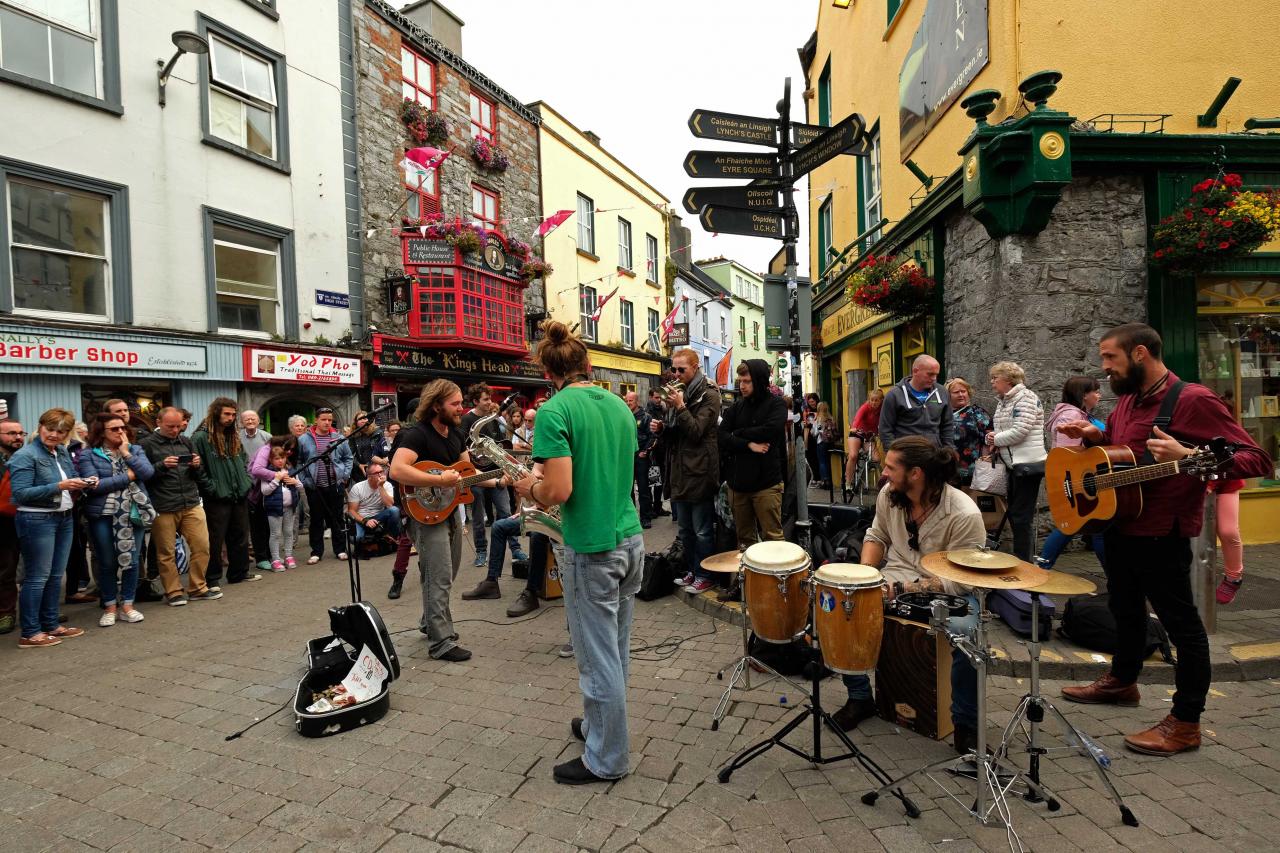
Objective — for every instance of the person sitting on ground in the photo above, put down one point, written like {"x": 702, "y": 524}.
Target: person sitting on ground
{"x": 371, "y": 503}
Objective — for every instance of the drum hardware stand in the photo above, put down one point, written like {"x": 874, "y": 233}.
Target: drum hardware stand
{"x": 742, "y": 666}
{"x": 992, "y": 777}
{"x": 1032, "y": 708}
{"x": 819, "y": 716}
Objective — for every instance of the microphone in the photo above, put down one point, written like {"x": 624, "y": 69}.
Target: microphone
{"x": 511, "y": 398}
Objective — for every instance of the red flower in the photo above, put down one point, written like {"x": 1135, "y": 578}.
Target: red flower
{"x": 1232, "y": 180}
{"x": 1228, "y": 223}
{"x": 1202, "y": 186}
{"x": 1189, "y": 215}
{"x": 1230, "y": 204}
{"x": 1199, "y": 245}
{"x": 1209, "y": 210}
{"x": 1204, "y": 233}
{"x": 1224, "y": 245}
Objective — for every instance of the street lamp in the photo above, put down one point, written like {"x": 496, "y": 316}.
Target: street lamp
{"x": 186, "y": 42}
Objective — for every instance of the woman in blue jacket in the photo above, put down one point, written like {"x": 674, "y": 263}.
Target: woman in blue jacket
{"x": 117, "y": 510}
{"x": 44, "y": 483}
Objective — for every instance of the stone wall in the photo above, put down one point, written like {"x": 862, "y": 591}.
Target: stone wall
{"x": 383, "y": 140}
{"x": 1045, "y": 301}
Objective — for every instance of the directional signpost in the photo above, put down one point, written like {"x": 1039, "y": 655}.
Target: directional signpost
{"x": 753, "y": 210}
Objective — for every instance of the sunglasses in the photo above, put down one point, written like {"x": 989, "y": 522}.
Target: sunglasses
{"x": 115, "y": 429}
{"x": 913, "y": 535}
{"x": 681, "y": 369}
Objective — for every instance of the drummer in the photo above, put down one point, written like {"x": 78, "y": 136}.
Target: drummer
{"x": 918, "y": 513}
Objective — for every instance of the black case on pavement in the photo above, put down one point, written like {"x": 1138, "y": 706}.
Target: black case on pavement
{"x": 329, "y": 660}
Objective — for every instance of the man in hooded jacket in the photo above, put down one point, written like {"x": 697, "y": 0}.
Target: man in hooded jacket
{"x": 753, "y": 438}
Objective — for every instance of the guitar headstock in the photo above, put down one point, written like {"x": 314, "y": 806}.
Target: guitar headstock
{"x": 1209, "y": 461}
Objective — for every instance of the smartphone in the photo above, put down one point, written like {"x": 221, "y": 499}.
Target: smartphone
{"x": 185, "y": 458}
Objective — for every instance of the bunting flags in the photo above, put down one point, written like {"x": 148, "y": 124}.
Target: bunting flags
{"x": 595, "y": 315}
{"x": 426, "y": 157}
{"x": 552, "y": 222}
{"x": 669, "y": 324}
{"x": 722, "y": 369}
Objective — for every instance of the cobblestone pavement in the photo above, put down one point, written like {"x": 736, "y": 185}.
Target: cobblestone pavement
{"x": 117, "y": 741}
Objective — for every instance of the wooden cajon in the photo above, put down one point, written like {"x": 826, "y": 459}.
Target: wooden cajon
{"x": 913, "y": 678}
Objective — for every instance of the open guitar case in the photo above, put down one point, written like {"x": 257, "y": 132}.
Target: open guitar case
{"x": 330, "y": 659}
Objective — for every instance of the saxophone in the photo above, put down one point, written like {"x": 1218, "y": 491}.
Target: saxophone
{"x": 532, "y": 518}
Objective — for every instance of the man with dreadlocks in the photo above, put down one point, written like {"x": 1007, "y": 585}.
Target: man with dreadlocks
{"x": 225, "y": 491}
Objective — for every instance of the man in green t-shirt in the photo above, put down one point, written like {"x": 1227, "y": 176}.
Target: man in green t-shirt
{"x": 587, "y": 439}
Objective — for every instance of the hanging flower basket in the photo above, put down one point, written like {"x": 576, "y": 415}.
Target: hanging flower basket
{"x": 889, "y": 286}
{"x": 1219, "y": 222}
{"x": 535, "y": 267}
{"x": 489, "y": 156}
{"x": 426, "y": 127}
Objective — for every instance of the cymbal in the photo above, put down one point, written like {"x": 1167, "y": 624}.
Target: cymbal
{"x": 1019, "y": 576}
{"x": 725, "y": 563}
{"x": 1061, "y": 583}
{"x": 982, "y": 558}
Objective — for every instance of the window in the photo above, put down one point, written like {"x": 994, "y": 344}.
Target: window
{"x": 742, "y": 331}
{"x": 59, "y": 250}
{"x": 824, "y": 95}
{"x": 755, "y": 335}
{"x": 706, "y": 366}
{"x": 417, "y": 79}
{"x": 894, "y": 6}
{"x": 484, "y": 207}
{"x": 252, "y": 276}
{"x": 706, "y": 333}
{"x": 586, "y": 309}
{"x": 459, "y": 305}
{"x": 64, "y": 244}
{"x": 602, "y": 383}
{"x": 628, "y": 324}
{"x": 586, "y": 224}
{"x": 724, "y": 331}
{"x": 624, "y": 244}
{"x": 243, "y": 94}
{"x": 651, "y": 258}
{"x": 625, "y": 388}
{"x": 424, "y": 193}
{"x": 654, "y": 346}
{"x": 824, "y": 235}
{"x": 484, "y": 118}
{"x": 67, "y": 48}
{"x": 266, "y": 7}
{"x": 871, "y": 188}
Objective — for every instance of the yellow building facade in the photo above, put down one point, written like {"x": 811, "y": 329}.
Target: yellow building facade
{"x": 1132, "y": 72}
{"x": 614, "y": 243}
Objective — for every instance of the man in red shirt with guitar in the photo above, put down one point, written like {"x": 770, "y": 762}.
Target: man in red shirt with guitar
{"x": 1149, "y": 553}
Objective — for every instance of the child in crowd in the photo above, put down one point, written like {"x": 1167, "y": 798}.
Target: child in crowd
{"x": 280, "y": 501}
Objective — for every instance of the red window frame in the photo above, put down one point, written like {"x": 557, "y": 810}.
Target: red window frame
{"x": 487, "y": 195}
{"x": 411, "y": 83}
{"x": 460, "y": 306}
{"x": 478, "y": 127}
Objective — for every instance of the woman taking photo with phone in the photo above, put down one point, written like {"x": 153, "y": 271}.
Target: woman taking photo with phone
{"x": 45, "y": 484}
{"x": 117, "y": 510}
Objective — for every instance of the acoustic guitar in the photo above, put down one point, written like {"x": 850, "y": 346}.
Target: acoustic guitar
{"x": 433, "y": 504}
{"x": 1090, "y": 489}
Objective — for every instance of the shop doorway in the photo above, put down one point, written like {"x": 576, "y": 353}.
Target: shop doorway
{"x": 145, "y": 400}
{"x": 275, "y": 416}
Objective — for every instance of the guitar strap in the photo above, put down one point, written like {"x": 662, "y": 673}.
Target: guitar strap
{"x": 1163, "y": 418}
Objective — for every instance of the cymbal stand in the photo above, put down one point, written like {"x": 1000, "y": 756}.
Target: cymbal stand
{"x": 815, "y": 712}
{"x": 993, "y": 778}
{"x": 1031, "y": 711}
{"x": 742, "y": 666}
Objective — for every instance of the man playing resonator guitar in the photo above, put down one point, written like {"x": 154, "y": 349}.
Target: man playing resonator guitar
{"x": 1148, "y": 558}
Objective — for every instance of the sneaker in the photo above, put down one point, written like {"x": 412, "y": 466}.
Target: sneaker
{"x": 343, "y": 556}
{"x": 6, "y": 624}
{"x": 214, "y": 588}
{"x": 698, "y": 587}
{"x": 290, "y": 563}
{"x": 107, "y": 619}
{"x": 686, "y": 580}
{"x": 276, "y": 566}
{"x": 565, "y": 651}
{"x": 517, "y": 554}
{"x": 482, "y": 559}
{"x": 178, "y": 600}
{"x": 312, "y": 560}
{"x": 1227, "y": 590}
{"x": 265, "y": 566}
{"x": 129, "y": 616}
{"x": 252, "y": 576}
{"x": 208, "y": 595}
{"x": 36, "y": 641}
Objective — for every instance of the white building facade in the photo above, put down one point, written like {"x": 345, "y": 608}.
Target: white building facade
{"x": 169, "y": 247}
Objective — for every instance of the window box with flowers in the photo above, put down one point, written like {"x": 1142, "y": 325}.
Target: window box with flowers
{"x": 489, "y": 156}
{"x": 425, "y": 126}
{"x": 888, "y": 285}
{"x": 1219, "y": 222}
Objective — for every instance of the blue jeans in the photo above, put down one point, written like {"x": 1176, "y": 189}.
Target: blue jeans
{"x": 696, "y": 523}
{"x": 501, "y": 509}
{"x": 964, "y": 678}
{"x": 504, "y": 531}
{"x": 45, "y": 541}
{"x": 102, "y": 533}
{"x": 599, "y": 597}
{"x": 1056, "y": 542}
{"x": 389, "y": 518}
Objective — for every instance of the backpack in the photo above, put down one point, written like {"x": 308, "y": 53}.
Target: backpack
{"x": 660, "y": 568}
{"x": 1087, "y": 621}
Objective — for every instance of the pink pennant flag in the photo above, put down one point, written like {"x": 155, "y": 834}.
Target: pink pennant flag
{"x": 552, "y": 222}
{"x": 426, "y": 156}
{"x": 669, "y": 324}
{"x": 595, "y": 316}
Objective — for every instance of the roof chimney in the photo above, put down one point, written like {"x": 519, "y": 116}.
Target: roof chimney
{"x": 592, "y": 135}
{"x": 442, "y": 24}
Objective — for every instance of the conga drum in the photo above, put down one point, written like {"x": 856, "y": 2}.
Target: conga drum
{"x": 774, "y": 577}
{"x": 848, "y": 616}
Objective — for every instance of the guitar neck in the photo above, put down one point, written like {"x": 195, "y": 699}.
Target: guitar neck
{"x": 1134, "y": 476}
{"x": 479, "y": 477}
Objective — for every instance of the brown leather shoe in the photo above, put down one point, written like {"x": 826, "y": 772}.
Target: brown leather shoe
{"x": 1107, "y": 690}
{"x": 485, "y": 589}
{"x": 1168, "y": 737}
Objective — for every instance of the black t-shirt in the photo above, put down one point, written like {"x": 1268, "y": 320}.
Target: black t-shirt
{"x": 427, "y": 442}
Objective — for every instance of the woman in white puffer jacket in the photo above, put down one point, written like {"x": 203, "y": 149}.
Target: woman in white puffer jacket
{"x": 1018, "y": 436}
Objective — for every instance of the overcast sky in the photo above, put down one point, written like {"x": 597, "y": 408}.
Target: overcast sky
{"x": 634, "y": 71}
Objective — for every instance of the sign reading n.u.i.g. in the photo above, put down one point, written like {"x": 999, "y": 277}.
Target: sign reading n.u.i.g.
{"x": 948, "y": 51}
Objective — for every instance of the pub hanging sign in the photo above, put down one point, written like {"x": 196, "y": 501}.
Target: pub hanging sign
{"x": 397, "y": 293}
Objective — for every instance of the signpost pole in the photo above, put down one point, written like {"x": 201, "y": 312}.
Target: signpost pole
{"x": 791, "y": 233}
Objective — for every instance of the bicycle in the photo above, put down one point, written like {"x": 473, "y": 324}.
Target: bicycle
{"x": 866, "y": 474}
